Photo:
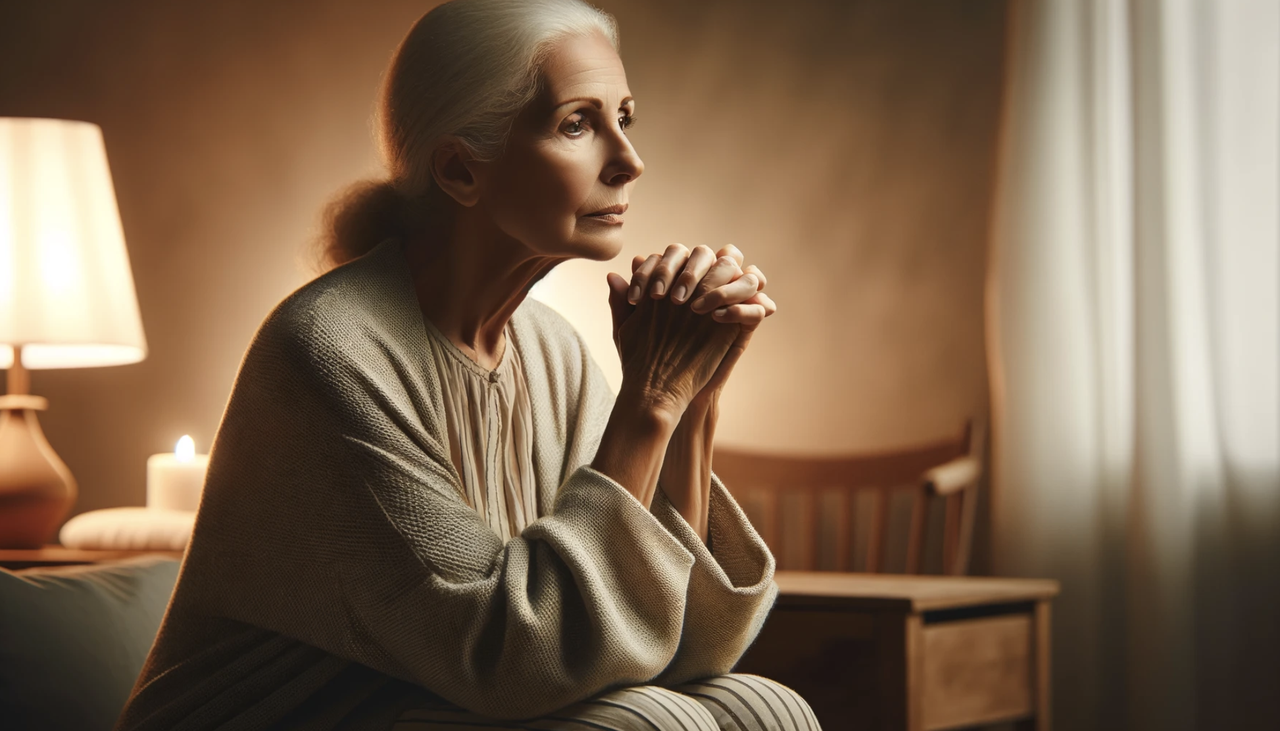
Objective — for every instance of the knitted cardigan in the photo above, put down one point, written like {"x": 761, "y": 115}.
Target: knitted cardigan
{"x": 336, "y": 577}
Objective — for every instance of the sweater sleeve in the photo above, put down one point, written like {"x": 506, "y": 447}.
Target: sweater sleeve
{"x": 558, "y": 614}
{"x": 325, "y": 463}
{"x": 731, "y": 588}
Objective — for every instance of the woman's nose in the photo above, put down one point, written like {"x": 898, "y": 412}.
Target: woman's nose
{"x": 625, "y": 164}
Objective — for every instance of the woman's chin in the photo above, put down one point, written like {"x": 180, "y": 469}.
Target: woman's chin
{"x": 598, "y": 246}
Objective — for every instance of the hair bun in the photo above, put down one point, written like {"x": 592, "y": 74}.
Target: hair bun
{"x": 361, "y": 217}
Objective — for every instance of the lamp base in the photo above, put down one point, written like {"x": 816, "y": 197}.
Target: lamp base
{"x": 36, "y": 488}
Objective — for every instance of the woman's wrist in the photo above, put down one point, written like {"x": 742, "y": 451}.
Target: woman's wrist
{"x": 706, "y": 405}
{"x": 653, "y": 406}
{"x": 686, "y": 470}
{"x": 634, "y": 444}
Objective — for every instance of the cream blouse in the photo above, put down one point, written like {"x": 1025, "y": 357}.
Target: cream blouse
{"x": 490, "y": 432}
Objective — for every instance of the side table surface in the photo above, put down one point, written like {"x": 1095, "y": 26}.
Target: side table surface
{"x": 54, "y": 555}
{"x": 904, "y": 593}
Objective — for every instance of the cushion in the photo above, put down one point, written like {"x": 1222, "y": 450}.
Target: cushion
{"x": 73, "y": 640}
{"x": 122, "y": 529}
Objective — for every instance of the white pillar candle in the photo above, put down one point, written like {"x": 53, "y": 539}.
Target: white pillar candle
{"x": 174, "y": 481}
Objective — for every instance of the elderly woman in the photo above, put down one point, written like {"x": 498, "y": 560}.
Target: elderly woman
{"x": 425, "y": 508}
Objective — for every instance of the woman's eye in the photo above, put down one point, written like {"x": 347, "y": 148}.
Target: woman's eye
{"x": 578, "y": 126}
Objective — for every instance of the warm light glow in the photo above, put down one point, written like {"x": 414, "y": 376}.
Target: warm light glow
{"x": 186, "y": 449}
{"x": 66, "y": 290}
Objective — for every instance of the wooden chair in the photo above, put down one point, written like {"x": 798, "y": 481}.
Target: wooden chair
{"x": 945, "y": 470}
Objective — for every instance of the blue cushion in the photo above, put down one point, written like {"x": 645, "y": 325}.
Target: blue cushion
{"x": 73, "y": 640}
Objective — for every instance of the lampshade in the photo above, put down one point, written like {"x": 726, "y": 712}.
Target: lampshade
{"x": 66, "y": 292}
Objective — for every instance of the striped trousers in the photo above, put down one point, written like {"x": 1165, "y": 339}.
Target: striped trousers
{"x": 733, "y": 702}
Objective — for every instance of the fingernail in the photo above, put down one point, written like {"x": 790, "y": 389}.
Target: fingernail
{"x": 697, "y": 304}
{"x": 633, "y": 294}
{"x": 679, "y": 292}
{"x": 658, "y": 289}
{"x": 722, "y": 312}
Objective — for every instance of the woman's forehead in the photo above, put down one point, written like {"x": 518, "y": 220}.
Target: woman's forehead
{"x": 584, "y": 66}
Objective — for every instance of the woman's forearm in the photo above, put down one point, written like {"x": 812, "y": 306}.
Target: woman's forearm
{"x": 633, "y": 444}
{"x": 686, "y": 470}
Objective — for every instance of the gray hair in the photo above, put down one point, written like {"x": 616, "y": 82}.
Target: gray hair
{"x": 466, "y": 68}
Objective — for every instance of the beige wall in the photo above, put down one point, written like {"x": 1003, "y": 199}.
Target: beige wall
{"x": 846, "y": 147}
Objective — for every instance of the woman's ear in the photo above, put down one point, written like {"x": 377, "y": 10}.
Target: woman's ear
{"x": 453, "y": 168}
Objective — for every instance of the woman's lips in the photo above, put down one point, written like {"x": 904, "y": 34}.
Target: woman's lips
{"x": 615, "y": 218}
{"x": 618, "y": 208}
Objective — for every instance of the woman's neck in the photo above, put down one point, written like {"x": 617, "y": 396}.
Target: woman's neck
{"x": 470, "y": 280}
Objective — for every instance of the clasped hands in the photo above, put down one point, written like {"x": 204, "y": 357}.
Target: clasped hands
{"x": 728, "y": 297}
{"x": 677, "y": 351}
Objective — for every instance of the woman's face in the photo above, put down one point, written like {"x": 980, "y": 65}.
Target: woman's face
{"x": 568, "y": 157}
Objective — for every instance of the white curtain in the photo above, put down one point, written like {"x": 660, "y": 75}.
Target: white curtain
{"x": 1135, "y": 354}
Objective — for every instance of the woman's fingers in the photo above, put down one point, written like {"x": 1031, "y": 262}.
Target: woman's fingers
{"x": 735, "y": 292}
{"x": 723, "y": 271}
{"x": 671, "y": 264}
{"x": 753, "y": 269}
{"x": 696, "y": 275}
{"x": 732, "y": 252}
{"x": 749, "y": 316}
{"x": 761, "y": 298}
{"x": 699, "y": 263}
{"x": 658, "y": 274}
{"x": 640, "y": 278}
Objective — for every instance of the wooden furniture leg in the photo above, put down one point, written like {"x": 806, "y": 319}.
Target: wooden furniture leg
{"x": 898, "y": 656}
{"x": 1043, "y": 720}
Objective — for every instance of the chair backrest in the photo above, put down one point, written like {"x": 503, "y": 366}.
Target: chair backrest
{"x": 946, "y": 470}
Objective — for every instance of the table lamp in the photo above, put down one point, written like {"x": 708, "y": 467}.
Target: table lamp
{"x": 66, "y": 301}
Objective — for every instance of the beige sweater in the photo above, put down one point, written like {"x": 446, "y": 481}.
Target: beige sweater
{"x": 336, "y": 576}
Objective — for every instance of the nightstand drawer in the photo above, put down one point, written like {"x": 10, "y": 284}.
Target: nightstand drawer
{"x": 977, "y": 671}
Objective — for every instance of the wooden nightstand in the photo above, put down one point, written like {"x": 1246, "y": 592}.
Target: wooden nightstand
{"x": 54, "y": 555}
{"x": 910, "y": 653}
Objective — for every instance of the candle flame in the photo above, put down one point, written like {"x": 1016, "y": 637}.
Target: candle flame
{"x": 186, "y": 448}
